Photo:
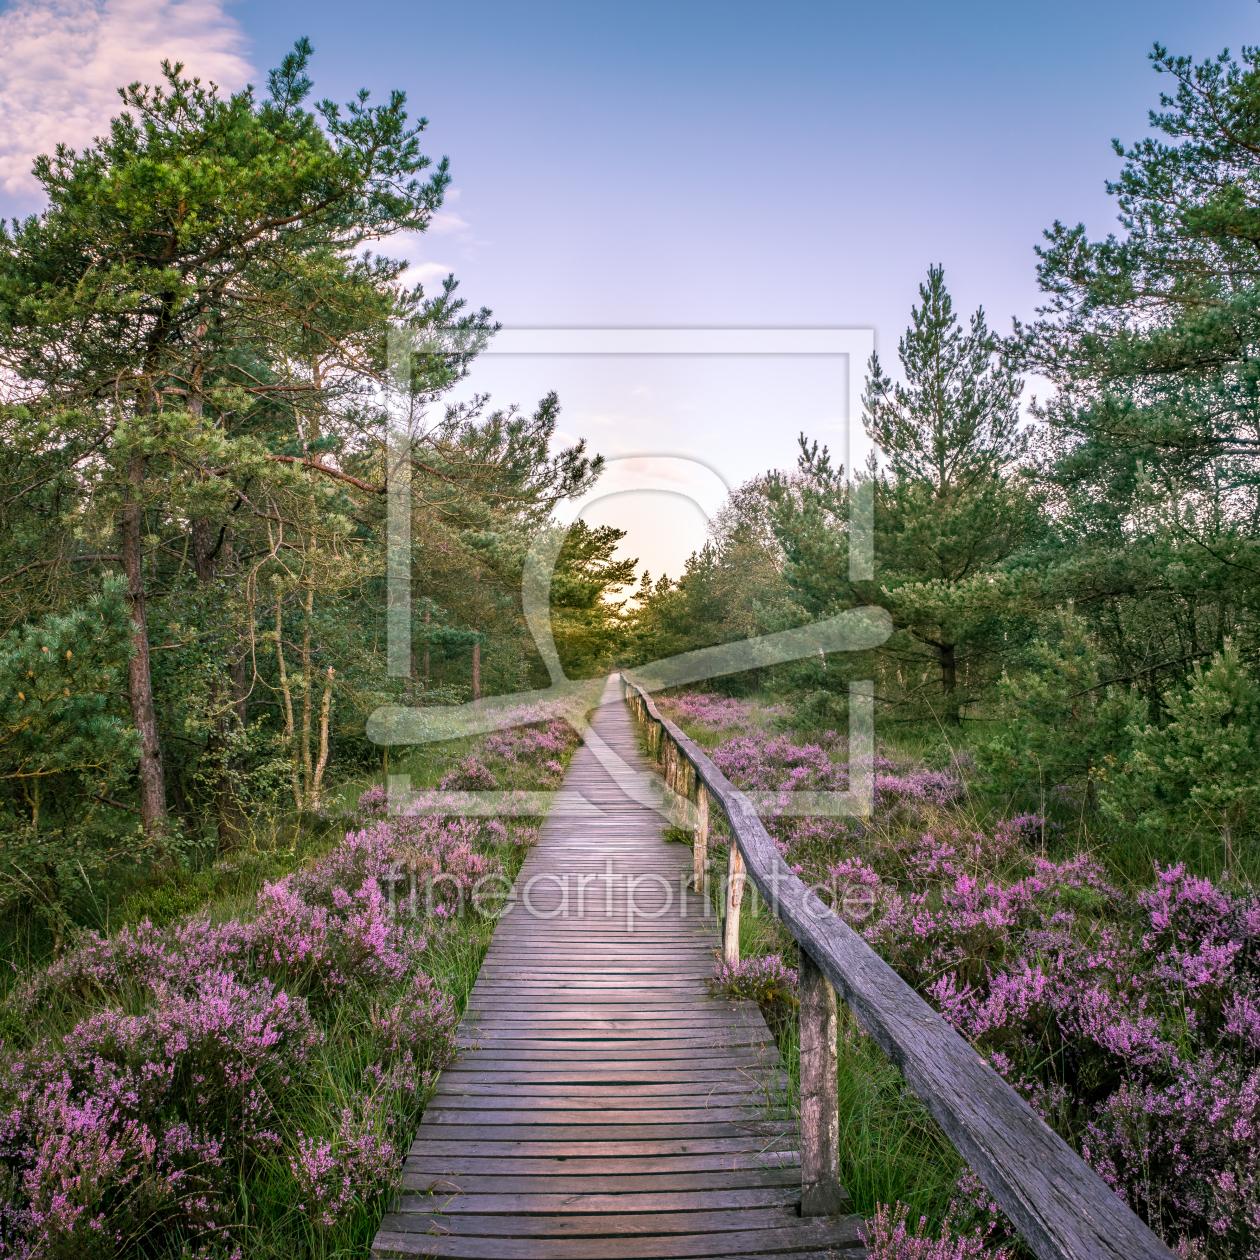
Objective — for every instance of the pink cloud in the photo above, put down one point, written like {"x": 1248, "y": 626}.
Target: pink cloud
{"x": 62, "y": 61}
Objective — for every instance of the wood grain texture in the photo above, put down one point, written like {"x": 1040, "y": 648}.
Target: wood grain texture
{"x": 605, "y": 1103}
{"x": 821, "y": 1191}
{"x": 735, "y": 877}
{"x": 1061, "y": 1207}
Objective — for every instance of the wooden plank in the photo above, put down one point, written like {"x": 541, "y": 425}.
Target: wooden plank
{"x": 553, "y": 1111}
{"x": 550, "y": 1203}
{"x": 573, "y": 1134}
{"x": 725, "y": 1150}
{"x": 809, "y": 1236}
{"x": 504, "y": 1181}
{"x": 478, "y": 1086}
{"x": 591, "y": 1225}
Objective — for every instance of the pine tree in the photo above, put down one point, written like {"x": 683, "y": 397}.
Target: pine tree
{"x": 1151, "y": 339}
{"x": 951, "y": 504}
{"x": 65, "y": 750}
{"x": 1063, "y": 726}
{"x": 1203, "y": 766}
{"x": 183, "y": 258}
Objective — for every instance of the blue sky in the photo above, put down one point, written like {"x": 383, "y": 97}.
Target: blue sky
{"x": 706, "y": 163}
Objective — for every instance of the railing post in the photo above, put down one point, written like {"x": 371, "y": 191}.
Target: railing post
{"x": 734, "y": 895}
{"x": 700, "y": 848}
{"x": 821, "y": 1191}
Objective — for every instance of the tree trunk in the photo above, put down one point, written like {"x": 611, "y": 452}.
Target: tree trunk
{"x": 288, "y": 742}
{"x": 476, "y": 661}
{"x": 139, "y": 675}
{"x": 308, "y": 687}
{"x": 949, "y": 681}
{"x": 225, "y": 705}
{"x": 325, "y": 708}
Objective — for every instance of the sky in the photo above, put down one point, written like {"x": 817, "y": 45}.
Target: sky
{"x": 692, "y": 164}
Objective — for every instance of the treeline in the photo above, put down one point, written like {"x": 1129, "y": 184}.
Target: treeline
{"x": 1074, "y": 598}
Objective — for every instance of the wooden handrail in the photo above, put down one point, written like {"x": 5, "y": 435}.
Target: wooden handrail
{"x": 1060, "y": 1205}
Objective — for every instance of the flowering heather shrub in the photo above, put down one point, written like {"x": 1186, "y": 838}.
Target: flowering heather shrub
{"x": 347, "y": 1171}
{"x": 888, "y": 1237}
{"x": 449, "y": 870}
{"x": 707, "y": 709}
{"x": 758, "y": 764}
{"x": 469, "y": 776}
{"x": 419, "y": 1027}
{"x": 374, "y": 803}
{"x": 778, "y": 764}
{"x": 530, "y": 743}
{"x": 182, "y": 1044}
{"x": 769, "y": 981}
{"x": 1128, "y": 1023}
{"x": 135, "y": 1123}
{"x": 934, "y": 786}
{"x": 855, "y": 888}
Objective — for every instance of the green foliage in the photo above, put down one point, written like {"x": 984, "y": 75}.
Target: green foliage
{"x": 65, "y": 749}
{"x": 588, "y": 625}
{"x": 955, "y": 421}
{"x": 1061, "y": 729}
{"x": 950, "y": 504}
{"x": 1202, "y": 768}
{"x": 1149, "y": 443}
{"x": 57, "y": 717}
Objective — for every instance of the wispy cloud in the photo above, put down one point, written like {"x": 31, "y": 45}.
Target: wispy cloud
{"x": 62, "y": 61}
{"x": 430, "y": 274}
{"x": 448, "y": 223}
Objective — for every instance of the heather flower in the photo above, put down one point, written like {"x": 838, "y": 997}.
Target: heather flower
{"x": 1130, "y": 1025}
{"x": 338, "y": 1174}
{"x": 887, "y": 1237}
{"x": 855, "y": 888}
{"x": 141, "y": 1117}
{"x": 469, "y": 776}
{"x": 714, "y": 711}
{"x": 768, "y": 981}
{"x": 1186, "y": 1155}
{"x": 934, "y": 787}
{"x": 374, "y": 802}
{"x": 419, "y": 1025}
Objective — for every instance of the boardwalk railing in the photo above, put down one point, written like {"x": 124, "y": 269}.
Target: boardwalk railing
{"x": 1061, "y": 1207}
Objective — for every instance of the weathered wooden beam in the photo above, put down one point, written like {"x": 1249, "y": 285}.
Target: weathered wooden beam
{"x": 700, "y": 846}
{"x": 821, "y": 1191}
{"x": 735, "y": 876}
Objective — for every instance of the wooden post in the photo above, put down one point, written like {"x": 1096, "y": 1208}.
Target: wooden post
{"x": 734, "y": 895}
{"x": 821, "y": 1191}
{"x": 700, "y": 849}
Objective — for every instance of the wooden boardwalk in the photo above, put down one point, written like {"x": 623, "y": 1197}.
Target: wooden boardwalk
{"x": 604, "y": 1105}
